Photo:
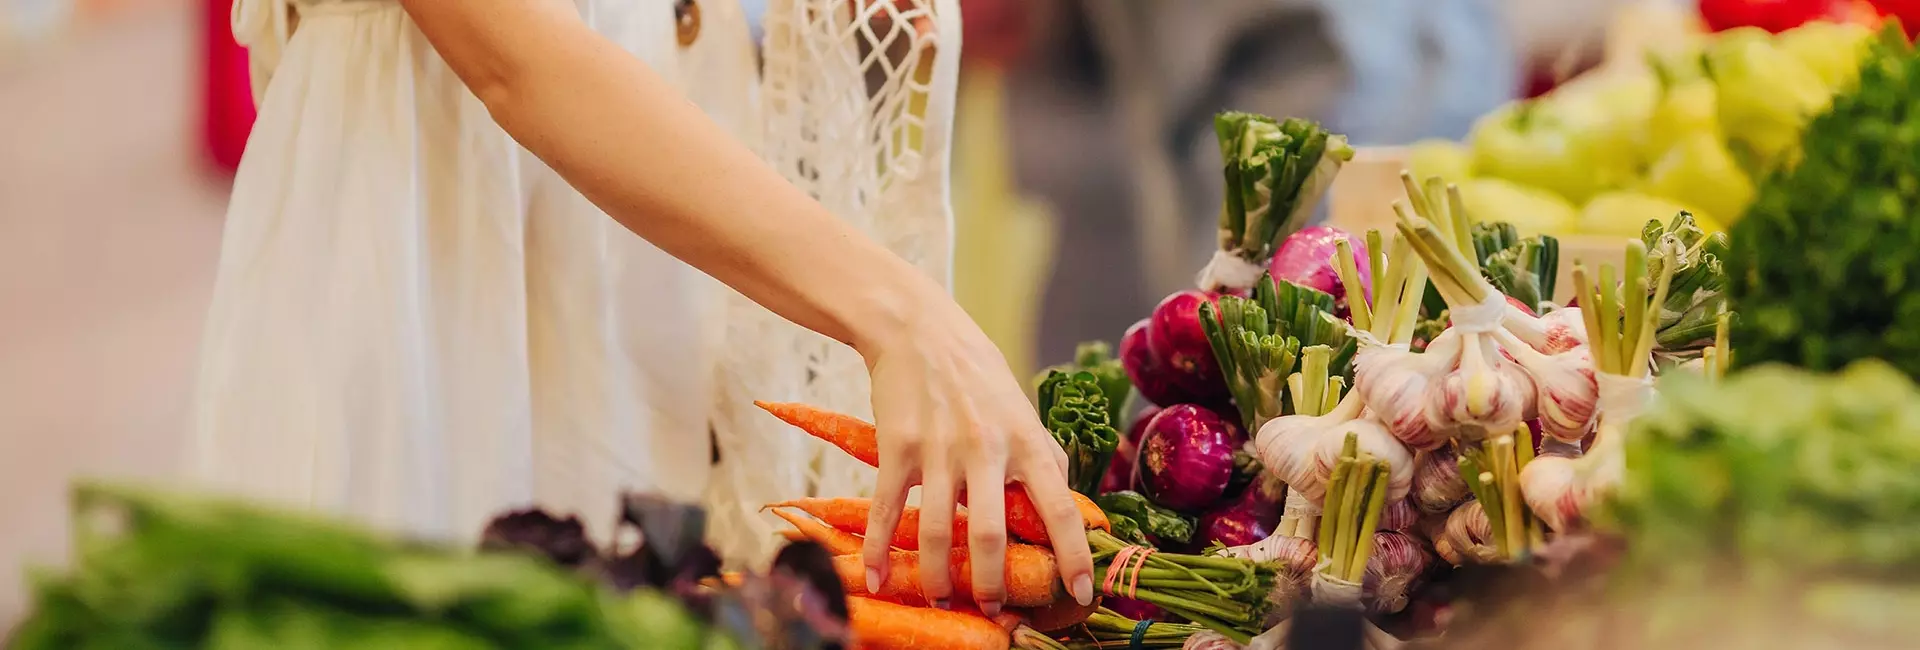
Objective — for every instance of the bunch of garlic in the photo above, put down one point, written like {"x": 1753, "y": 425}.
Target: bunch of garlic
{"x": 1304, "y": 449}
{"x": 1560, "y": 489}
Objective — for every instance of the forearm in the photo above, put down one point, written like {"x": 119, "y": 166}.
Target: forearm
{"x": 653, "y": 161}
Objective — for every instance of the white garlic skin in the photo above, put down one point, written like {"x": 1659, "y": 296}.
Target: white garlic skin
{"x": 1372, "y": 438}
{"x": 1558, "y": 331}
{"x": 1552, "y": 489}
{"x": 1394, "y": 383}
{"x": 1466, "y": 537}
{"x": 1286, "y": 447}
{"x": 1505, "y": 392}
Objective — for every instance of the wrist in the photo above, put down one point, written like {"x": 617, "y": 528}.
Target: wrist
{"x": 886, "y": 313}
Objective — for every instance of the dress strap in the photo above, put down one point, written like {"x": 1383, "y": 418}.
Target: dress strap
{"x": 263, "y": 27}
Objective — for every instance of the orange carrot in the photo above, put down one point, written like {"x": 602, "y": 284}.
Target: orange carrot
{"x": 859, "y": 439}
{"x": 792, "y": 535}
{"x": 1025, "y": 524}
{"x": 837, "y": 542}
{"x": 880, "y": 625}
{"x": 850, "y": 514}
{"x": 852, "y": 435}
{"x": 1062, "y": 614}
{"x": 1032, "y": 578}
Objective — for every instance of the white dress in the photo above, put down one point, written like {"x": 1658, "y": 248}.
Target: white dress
{"x": 416, "y": 323}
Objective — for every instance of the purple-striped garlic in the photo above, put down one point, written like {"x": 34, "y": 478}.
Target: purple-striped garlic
{"x": 1397, "y": 566}
{"x": 1437, "y": 486}
{"x": 1566, "y": 397}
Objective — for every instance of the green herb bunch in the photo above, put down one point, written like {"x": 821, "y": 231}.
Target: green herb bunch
{"x": 1824, "y": 269}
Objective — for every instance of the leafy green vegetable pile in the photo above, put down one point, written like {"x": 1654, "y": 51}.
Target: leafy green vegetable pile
{"x": 1825, "y": 267}
{"x": 1780, "y": 468}
{"x": 158, "y": 570}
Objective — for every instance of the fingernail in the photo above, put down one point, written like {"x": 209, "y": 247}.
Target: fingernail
{"x": 873, "y": 581}
{"x": 940, "y": 603}
{"x": 1083, "y": 590}
{"x": 991, "y": 608}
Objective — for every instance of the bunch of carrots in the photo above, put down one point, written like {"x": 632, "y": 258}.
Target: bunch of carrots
{"x": 1228, "y": 595}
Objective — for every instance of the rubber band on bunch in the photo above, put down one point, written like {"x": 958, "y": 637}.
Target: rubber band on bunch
{"x": 1129, "y": 560}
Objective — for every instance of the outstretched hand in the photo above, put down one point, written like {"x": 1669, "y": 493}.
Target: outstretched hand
{"x": 951, "y": 417}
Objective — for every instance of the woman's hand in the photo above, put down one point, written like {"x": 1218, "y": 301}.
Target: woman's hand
{"x": 949, "y": 411}
{"x": 951, "y": 416}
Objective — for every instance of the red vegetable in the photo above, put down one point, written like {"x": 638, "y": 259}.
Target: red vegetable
{"x": 1154, "y": 379}
{"x": 1781, "y": 15}
{"x": 1186, "y": 458}
{"x": 1306, "y": 258}
{"x": 1179, "y": 342}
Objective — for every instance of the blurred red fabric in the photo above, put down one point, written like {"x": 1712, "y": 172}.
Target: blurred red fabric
{"x": 227, "y": 94}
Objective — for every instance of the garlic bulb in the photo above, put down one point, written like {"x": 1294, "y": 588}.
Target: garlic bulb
{"x": 1289, "y": 446}
{"x": 1567, "y": 398}
{"x": 1483, "y": 394}
{"x": 1394, "y": 382}
{"x": 1467, "y": 537}
{"x": 1293, "y": 559}
{"x": 1555, "y": 332}
{"x": 1398, "y": 564}
{"x": 1400, "y": 515}
{"x": 1552, "y": 489}
{"x": 1373, "y": 439}
{"x": 1437, "y": 486}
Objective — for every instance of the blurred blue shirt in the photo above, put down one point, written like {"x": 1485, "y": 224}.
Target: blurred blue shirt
{"x": 1421, "y": 68}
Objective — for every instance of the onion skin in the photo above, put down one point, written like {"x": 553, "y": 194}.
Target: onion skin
{"x": 1246, "y": 520}
{"x": 1178, "y": 341}
{"x": 1186, "y": 458}
{"x": 1153, "y": 378}
{"x": 1120, "y": 471}
{"x": 1305, "y": 258}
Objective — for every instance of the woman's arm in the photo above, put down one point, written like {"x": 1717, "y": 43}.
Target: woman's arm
{"x": 949, "y": 411}
{"x": 633, "y": 145}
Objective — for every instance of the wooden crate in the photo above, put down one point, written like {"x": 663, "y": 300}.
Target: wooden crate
{"x": 1362, "y": 198}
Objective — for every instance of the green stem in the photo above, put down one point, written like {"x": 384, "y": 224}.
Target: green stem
{"x": 1635, "y": 300}
{"x": 1352, "y": 506}
{"x": 1375, "y": 255}
{"x": 1376, "y": 503}
{"x": 1462, "y": 222}
{"x": 1357, "y": 306}
{"x": 1508, "y": 478}
{"x": 1330, "y": 507}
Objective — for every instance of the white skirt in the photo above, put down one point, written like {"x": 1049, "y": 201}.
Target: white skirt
{"x": 415, "y": 322}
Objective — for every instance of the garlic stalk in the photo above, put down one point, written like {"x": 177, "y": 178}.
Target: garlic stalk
{"x": 1560, "y": 490}
{"x": 1492, "y": 469}
{"x": 1356, "y": 496}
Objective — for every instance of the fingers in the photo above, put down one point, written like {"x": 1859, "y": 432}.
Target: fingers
{"x": 936, "y": 535}
{"x": 1060, "y": 458}
{"x": 889, "y": 500}
{"x": 987, "y": 534}
{"x": 1065, "y": 527}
